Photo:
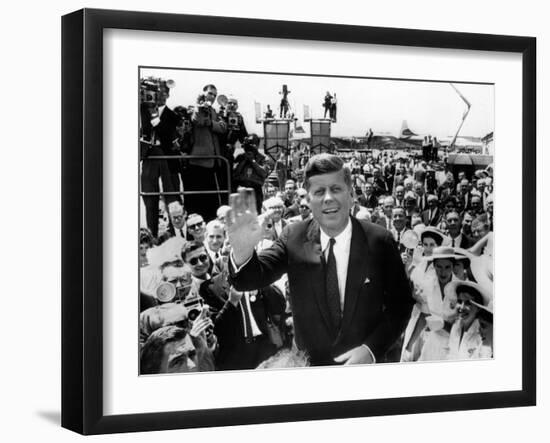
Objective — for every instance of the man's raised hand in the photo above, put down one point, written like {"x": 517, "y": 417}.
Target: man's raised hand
{"x": 244, "y": 228}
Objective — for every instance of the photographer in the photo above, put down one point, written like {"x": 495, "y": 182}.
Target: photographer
{"x": 236, "y": 129}
{"x": 158, "y": 136}
{"x": 204, "y": 174}
{"x": 250, "y": 170}
{"x": 184, "y": 131}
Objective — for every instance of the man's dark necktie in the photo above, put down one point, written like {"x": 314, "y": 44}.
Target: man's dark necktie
{"x": 332, "y": 291}
{"x": 453, "y": 245}
{"x": 246, "y": 317}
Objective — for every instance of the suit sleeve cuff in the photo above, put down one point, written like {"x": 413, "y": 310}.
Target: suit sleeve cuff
{"x": 370, "y": 352}
{"x": 237, "y": 269}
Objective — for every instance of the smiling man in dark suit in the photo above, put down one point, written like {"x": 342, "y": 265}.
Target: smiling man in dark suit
{"x": 349, "y": 293}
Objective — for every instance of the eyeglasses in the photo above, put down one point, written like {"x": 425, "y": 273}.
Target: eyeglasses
{"x": 304, "y": 207}
{"x": 195, "y": 226}
{"x": 195, "y": 260}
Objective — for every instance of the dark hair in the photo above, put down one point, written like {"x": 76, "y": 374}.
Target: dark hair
{"x": 152, "y": 352}
{"x": 456, "y": 212}
{"x": 473, "y": 292}
{"x": 210, "y": 85}
{"x": 145, "y": 236}
{"x": 433, "y": 235}
{"x": 189, "y": 247}
{"x": 400, "y": 208}
{"x": 450, "y": 199}
{"x": 325, "y": 164}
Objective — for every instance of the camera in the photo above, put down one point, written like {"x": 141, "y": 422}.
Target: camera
{"x": 184, "y": 118}
{"x": 168, "y": 292}
{"x": 233, "y": 121}
{"x": 251, "y": 142}
{"x": 150, "y": 87}
{"x": 194, "y": 305}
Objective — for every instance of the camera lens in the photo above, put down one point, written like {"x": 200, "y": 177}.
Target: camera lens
{"x": 193, "y": 314}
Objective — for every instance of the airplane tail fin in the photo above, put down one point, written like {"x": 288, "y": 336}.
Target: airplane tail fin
{"x": 405, "y": 131}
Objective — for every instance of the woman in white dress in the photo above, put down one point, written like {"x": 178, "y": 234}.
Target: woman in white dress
{"x": 423, "y": 277}
{"x": 465, "y": 329}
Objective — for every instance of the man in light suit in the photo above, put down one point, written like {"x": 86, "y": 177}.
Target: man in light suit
{"x": 349, "y": 292}
{"x": 432, "y": 215}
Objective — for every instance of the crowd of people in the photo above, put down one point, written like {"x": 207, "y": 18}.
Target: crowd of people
{"x": 379, "y": 257}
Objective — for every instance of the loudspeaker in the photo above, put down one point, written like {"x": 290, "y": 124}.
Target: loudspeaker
{"x": 320, "y": 136}
{"x": 276, "y": 137}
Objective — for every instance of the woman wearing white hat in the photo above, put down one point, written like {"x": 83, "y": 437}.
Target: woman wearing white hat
{"x": 465, "y": 330}
{"x": 425, "y": 281}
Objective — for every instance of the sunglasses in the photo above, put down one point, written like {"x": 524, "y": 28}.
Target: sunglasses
{"x": 195, "y": 260}
{"x": 196, "y": 226}
{"x": 304, "y": 207}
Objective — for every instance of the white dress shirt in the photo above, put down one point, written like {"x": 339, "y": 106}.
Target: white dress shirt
{"x": 457, "y": 240}
{"x": 214, "y": 256}
{"x": 278, "y": 227}
{"x": 181, "y": 232}
{"x": 156, "y": 120}
{"x": 253, "y": 325}
{"x": 341, "y": 250}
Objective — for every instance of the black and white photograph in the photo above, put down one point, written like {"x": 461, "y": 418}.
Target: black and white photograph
{"x": 289, "y": 220}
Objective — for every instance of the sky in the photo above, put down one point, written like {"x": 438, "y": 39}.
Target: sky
{"x": 381, "y": 104}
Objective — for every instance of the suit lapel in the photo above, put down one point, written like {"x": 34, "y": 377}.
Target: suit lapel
{"x": 357, "y": 270}
{"x": 314, "y": 255}
{"x": 435, "y": 216}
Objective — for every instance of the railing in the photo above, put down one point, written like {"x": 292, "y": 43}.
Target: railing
{"x": 188, "y": 157}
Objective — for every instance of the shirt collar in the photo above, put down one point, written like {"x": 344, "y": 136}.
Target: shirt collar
{"x": 342, "y": 237}
{"x": 201, "y": 280}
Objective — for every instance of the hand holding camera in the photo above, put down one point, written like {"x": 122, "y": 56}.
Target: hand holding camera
{"x": 200, "y": 326}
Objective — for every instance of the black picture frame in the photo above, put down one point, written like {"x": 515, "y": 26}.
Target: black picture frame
{"x": 82, "y": 219}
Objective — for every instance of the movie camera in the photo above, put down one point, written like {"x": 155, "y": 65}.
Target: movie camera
{"x": 150, "y": 88}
